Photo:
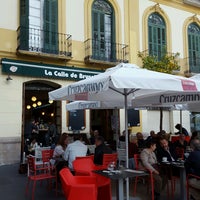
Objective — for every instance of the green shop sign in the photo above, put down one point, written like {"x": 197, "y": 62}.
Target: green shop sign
{"x": 16, "y": 67}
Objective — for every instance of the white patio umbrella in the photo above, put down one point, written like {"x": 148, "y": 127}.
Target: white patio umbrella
{"x": 120, "y": 84}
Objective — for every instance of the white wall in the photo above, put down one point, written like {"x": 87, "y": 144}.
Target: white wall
{"x": 9, "y": 14}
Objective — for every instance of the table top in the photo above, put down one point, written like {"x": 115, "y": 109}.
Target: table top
{"x": 179, "y": 164}
{"x": 121, "y": 174}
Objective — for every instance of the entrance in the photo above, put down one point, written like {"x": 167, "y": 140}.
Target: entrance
{"x": 102, "y": 120}
{"x": 41, "y": 117}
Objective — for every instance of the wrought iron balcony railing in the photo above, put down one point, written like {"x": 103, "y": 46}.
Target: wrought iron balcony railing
{"x": 44, "y": 42}
{"x": 101, "y": 51}
{"x": 192, "y": 64}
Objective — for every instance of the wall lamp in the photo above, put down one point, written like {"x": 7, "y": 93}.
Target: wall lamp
{"x": 9, "y": 78}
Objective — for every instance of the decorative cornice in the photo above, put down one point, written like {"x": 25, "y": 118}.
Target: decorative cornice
{"x": 157, "y": 8}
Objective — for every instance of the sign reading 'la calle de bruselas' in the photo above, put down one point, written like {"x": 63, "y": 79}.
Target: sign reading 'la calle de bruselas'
{"x": 16, "y": 67}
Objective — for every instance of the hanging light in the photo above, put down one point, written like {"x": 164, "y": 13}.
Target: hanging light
{"x": 28, "y": 107}
{"x": 33, "y": 98}
{"x": 52, "y": 114}
{"x": 43, "y": 113}
{"x": 39, "y": 103}
{"x": 34, "y": 105}
{"x": 50, "y": 101}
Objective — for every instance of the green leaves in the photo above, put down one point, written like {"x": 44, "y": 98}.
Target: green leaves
{"x": 167, "y": 63}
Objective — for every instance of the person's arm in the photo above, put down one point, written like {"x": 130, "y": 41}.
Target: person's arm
{"x": 144, "y": 158}
{"x": 58, "y": 151}
{"x": 66, "y": 153}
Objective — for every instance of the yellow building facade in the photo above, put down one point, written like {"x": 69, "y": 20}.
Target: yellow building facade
{"x": 47, "y": 44}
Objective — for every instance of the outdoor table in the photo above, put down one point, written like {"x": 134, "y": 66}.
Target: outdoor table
{"x": 181, "y": 167}
{"x": 119, "y": 176}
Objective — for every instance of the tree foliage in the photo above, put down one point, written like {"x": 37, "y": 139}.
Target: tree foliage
{"x": 166, "y": 63}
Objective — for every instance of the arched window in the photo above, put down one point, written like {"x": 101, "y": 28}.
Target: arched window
{"x": 194, "y": 47}
{"x": 156, "y": 35}
{"x": 103, "y": 31}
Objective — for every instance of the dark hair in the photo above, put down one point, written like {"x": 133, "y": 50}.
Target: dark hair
{"x": 62, "y": 139}
{"x": 178, "y": 126}
{"x": 151, "y": 142}
{"x": 77, "y": 137}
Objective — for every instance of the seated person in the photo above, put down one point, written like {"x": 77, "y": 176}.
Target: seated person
{"x": 132, "y": 149}
{"x": 149, "y": 161}
{"x": 192, "y": 165}
{"x": 165, "y": 149}
{"x": 32, "y": 146}
{"x": 181, "y": 142}
{"x": 181, "y": 130}
{"x": 75, "y": 149}
{"x": 140, "y": 139}
{"x": 57, "y": 159}
{"x": 100, "y": 149}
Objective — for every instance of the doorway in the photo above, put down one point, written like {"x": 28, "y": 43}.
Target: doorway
{"x": 39, "y": 110}
{"x": 102, "y": 120}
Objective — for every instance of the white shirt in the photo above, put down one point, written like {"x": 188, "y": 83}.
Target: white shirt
{"x": 58, "y": 151}
{"x": 77, "y": 148}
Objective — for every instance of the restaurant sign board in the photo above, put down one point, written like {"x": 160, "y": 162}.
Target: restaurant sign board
{"x": 16, "y": 67}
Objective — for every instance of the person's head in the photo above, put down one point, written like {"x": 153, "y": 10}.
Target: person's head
{"x": 152, "y": 133}
{"x": 139, "y": 135}
{"x": 133, "y": 139}
{"x": 63, "y": 141}
{"x": 194, "y": 134}
{"x": 178, "y": 127}
{"x": 195, "y": 144}
{"x": 78, "y": 137}
{"x": 164, "y": 143}
{"x": 96, "y": 133}
{"x": 151, "y": 145}
{"x": 182, "y": 137}
{"x": 99, "y": 140}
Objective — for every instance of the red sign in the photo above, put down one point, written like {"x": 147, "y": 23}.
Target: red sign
{"x": 188, "y": 85}
{"x": 81, "y": 96}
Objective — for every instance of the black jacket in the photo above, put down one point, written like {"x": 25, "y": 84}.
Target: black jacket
{"x": 98, "y": 153}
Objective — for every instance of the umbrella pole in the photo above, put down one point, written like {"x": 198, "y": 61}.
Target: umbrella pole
{"x": 126, "y": 131}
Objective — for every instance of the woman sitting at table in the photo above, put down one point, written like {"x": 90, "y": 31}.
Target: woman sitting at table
{"x": 58, "y": 153}
{"x": 149, "y": 161}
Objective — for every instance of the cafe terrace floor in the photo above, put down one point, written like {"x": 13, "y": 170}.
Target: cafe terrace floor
{"x": 12, "y": 187}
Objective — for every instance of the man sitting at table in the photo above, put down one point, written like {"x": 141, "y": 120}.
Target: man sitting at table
{"x": 165, "y": 150}
{"x": 100, "y": 149}
{"x": 75, "y": 149}
{"x": 192, "y": 165}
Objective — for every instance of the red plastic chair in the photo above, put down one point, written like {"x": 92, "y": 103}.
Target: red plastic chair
{"x": 47, "y": 154}
{"x": 150, "y": 179}
{"x": 179, "y": 152}
{"x": 189, "y": 185}
{"x": 78, "y": 187}
{"x": 85, "y": 167}
{"x": 38, "y": 174}
{"x": 108, "y": 158}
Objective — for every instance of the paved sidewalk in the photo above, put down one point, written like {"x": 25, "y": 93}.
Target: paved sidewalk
{"x": 12, "y": 187}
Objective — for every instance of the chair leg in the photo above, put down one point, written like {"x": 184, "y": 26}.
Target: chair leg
{"x": 33, "y": 190}
{"x": 135, "y": 186}
{"x": 27, "y": 186}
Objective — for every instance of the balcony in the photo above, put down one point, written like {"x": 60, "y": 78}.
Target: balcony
{"x": 102, "y": 52}
{"x": 37, "y": 42}
{"x": 192, "y": 65}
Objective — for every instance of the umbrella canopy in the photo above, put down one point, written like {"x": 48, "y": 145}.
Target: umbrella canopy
{"x": 121, "y": 84}
{"x": 110, "y": 85}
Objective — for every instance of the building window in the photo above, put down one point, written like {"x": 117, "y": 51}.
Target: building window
{"x": 39, "y": 26}
{"x": 194, "y": 47}
{"x": 103, "y": 31}
{"x": 156, "y": 35}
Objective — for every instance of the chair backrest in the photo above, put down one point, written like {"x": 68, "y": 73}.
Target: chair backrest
{"x": 121, "y": 153}
{"x": 83, "y": 166}
{"x": 137, "y": 161}
{"x": 31, "y": 165}
{"x": 179, "y": 152}
{"x": 108, "y": 158}
{"x": 47, "y": 154}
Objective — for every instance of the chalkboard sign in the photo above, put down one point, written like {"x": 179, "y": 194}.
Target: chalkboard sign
{"x": 133, "y": 117}
{"x": 76, "y": 120}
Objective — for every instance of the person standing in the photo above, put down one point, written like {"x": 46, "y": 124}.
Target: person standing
{"x": 75, "y": 149}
